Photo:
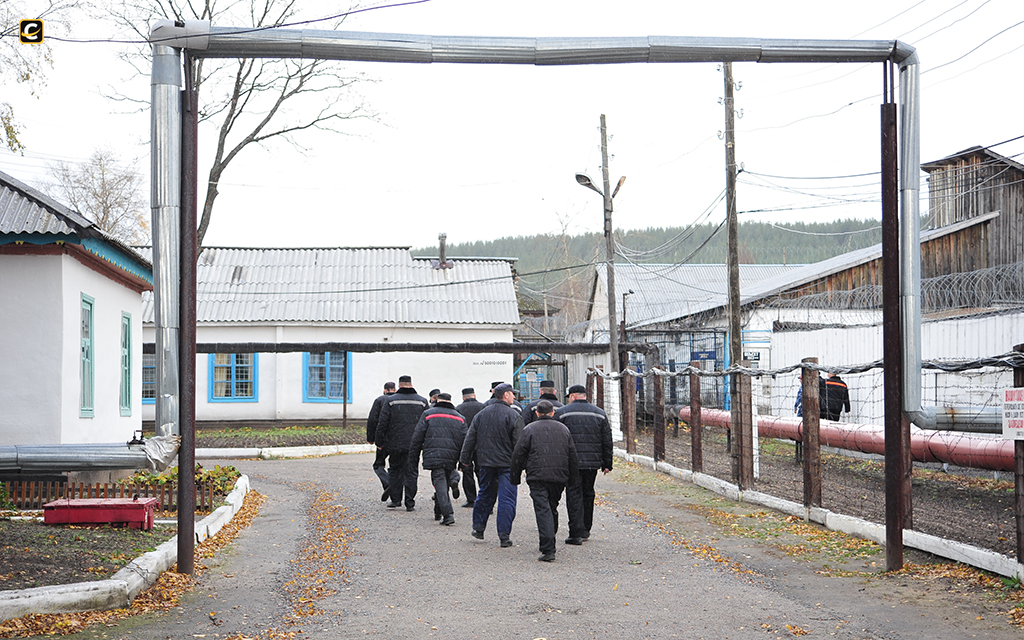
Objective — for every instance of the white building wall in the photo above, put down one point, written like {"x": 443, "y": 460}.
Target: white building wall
{"x": 31, "y": 339}
{"x": 281, "y": 375}
{"x": 110, "y": 300}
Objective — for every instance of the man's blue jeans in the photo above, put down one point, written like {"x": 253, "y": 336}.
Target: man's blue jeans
{"x": 495, "y": 484}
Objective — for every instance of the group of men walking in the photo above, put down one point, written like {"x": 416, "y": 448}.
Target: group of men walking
{"x": 561, "y": 448}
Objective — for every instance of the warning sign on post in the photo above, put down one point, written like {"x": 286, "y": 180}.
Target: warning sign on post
{"x": 1013, "y": 414}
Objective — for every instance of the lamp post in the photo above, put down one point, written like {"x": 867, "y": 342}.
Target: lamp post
{"x": 583, "y": 179}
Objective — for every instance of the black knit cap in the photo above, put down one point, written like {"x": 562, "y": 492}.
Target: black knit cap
{"x": 404, "y": 379}
{"x": 468, "y": 391}
{"x": 444, "y": 397}
{"x": 494, "y": 385}
{"x": 577, "y": 388}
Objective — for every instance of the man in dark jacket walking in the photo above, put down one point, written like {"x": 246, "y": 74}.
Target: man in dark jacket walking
{"x": 398, "y": 418}
{"x": 492, "y": 437}
{"x": 371, "y": 435}
{"x": 547, "y": 392}
{"x": 548, "y": 454}
{"x": 469, "y": 408}
{"x": 834, "y": 397}
{"x": 593, "y": 437}
{"x": 440, "y": 434}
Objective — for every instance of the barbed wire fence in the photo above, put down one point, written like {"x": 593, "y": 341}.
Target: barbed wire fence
{"x": 978, "y": 511}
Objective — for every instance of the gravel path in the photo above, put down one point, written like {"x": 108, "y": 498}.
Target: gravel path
{"x": 397, "y": 574}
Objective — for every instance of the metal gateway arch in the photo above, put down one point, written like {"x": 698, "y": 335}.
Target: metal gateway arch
{"x": 174, "y": 261}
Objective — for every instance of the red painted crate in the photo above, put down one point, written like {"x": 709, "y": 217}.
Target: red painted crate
{"x": 136, "y": 514}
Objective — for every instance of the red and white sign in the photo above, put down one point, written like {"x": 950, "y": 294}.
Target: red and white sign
{"x": 1013, "y": 414}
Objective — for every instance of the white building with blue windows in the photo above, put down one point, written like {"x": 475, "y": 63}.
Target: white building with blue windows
{"x": 361, "y": 295}
{"x": 70, "y": 325}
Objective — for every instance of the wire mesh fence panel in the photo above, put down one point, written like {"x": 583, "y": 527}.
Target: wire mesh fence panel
{"x": 958, "y": 493}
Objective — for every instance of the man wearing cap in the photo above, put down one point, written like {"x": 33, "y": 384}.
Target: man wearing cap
{"x": 593, "y": 437}
{"x": 398, "y": 418}
{"x": 548, "y": 454}
{"x": 371, "y": 434}
{"x": 547, "y": 392}
{"x": 469, "y": 408}
{"x": 439, "y": 433}
{"x": 492, "y": 437}
{"x": 432, "y": 396}
{"x": 494, "y": 396}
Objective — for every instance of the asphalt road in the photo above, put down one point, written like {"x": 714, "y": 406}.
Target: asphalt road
{"x": 326, "y": 559}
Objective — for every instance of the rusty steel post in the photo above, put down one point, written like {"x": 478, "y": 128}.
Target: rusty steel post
{"x": 745, "y": 434}
{"x": 599, "y": 394}
{"x": 1018, "y": 470}
{"x": 591, "y": 377}
{"x": 892, "y": 347}
{"x": 187, "y": 320}
{"x": 696, "y": 427}
{"x": 629, "y": 412}
{"x": 812, "y": 435}
{"x": 659, "y": 417}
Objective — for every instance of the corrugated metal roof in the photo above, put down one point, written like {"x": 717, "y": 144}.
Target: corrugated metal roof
{"x": 347, "y": 285}
{"x": 756, "y": 281}
{"x": 26, "y": 210}
{"x": 663, "y": 292}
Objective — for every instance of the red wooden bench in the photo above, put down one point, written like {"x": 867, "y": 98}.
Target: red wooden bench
{"x": 136, "y": 514}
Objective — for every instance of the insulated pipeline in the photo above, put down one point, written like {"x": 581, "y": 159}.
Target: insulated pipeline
{"x": 960, "y": 449}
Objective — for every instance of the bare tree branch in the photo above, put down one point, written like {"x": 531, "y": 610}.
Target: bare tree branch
{"x": 251, "y": 101}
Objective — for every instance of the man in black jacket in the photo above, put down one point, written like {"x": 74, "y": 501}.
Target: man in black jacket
{"x": 398, "y": 418}
{"x": 469, "y": 408}
{"x": 547, "y": 392}
{"x": 593, "y": 437}
{"x": 548, "y": 454}
{"x": 371, "y": 434}
{"x": 834, "y": 397}
{"x": 440, "y": 434}
{"x": 492, "y": 437}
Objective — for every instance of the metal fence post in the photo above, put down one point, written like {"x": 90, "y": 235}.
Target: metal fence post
{"x": 599, "y": 396}
{"x": 696, "y": 427}
{"x": 1018, "y": 471}
{"x": 745, "y": 435}
{"x": 811, "y": 437}
{"x": 659, "y": 416}
{"x": 591, "y": 377}
{"x": 629, "y": 409}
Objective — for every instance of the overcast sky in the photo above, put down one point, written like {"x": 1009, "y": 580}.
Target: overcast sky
{"x": 481, "y": 152}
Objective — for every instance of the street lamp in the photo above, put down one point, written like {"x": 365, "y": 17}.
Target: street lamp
{"x": 607, "y": 194}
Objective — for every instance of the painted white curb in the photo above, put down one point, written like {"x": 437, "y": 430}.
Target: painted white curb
{"x": 981, "y": 558}
{"x": 119, "y": 591}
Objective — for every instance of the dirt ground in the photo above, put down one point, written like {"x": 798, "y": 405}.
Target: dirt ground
{"x": 33, "y": 554}
{"x": 326, "y": 559}
{"x": 966, "y": 505}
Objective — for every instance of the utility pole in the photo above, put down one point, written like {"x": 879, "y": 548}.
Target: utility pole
{"x": 735, "y": 343}
{"x": 609, "y": 252}
{"x": 607, "y": 194}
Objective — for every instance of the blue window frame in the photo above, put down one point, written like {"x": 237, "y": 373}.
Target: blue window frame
{"x": 234, "y": 377}
{"x": 149, "y": 378}
{"x": 326, "y": 377}
{"x": 125, "y": 401}
{"x": 88, "y": 372}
